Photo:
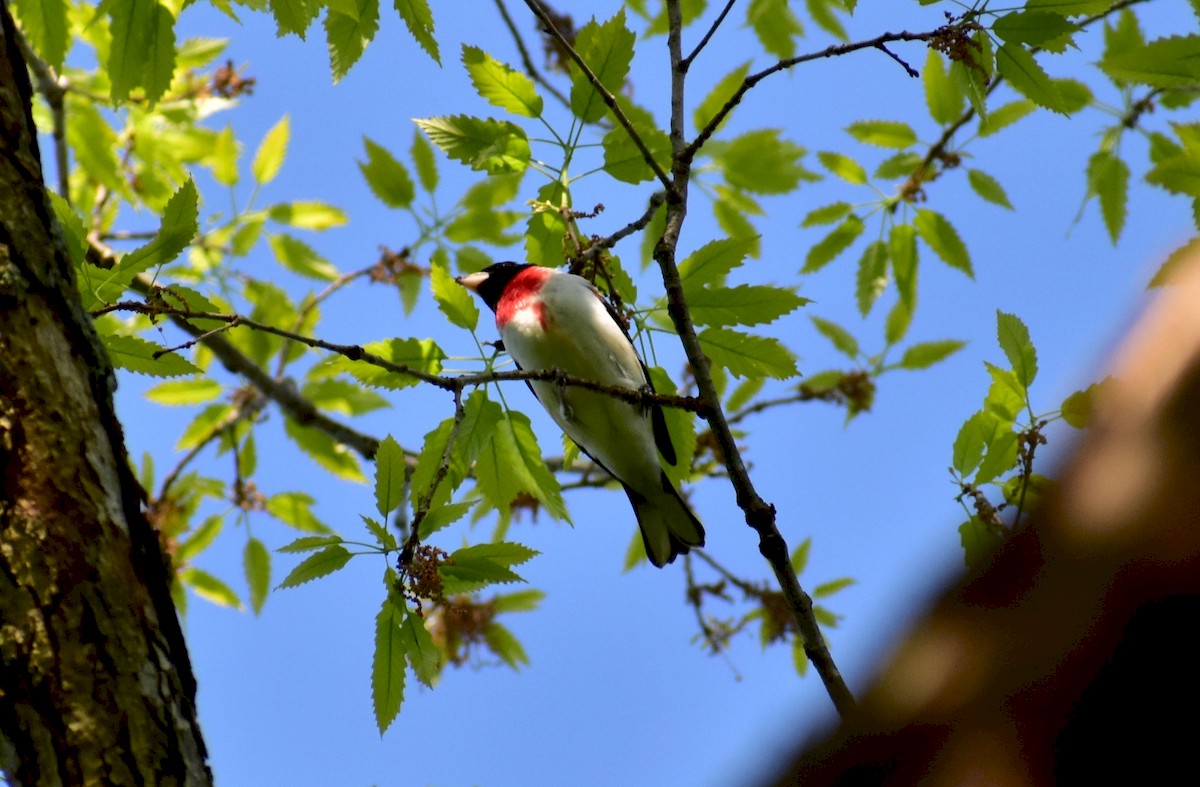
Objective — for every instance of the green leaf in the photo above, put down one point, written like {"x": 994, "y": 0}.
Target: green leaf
{"x": 1077, "y": 408}
{"x": 844, "y": 167}
{"x": 872, "y": 276}
{"x": 607, "y": 48}
{"x": 419, "y": 21}
{"x": 209, "y": 587}
{"x": 941, "y": 236}
{"x": 744, "y": 355}
{"x": 474, "y": 567}
{"x": 1006, "y": 396}
{"x": 483, "y": 144}
{"x": 979, "y": 542}
{"x": 453, "y": 299}
{"x": 799, "y": 656}
{"x": 300, "y": 258}
{"x": 518, "y": 601}
{"x": 842, "y": 339}
{"x": 511, "y": 464}
{"x": 712, "y": 262}
{"x": 622, "y": 158}
{"x": 138, "y": 355}
{"x": 390, "y": 471}
{"x": 821, "y": 12}
{"x": 388, "y": 662}
{"x": 721, "y": 93}
{"x": 1004, "y": 116}
{"x": 294, "y": 16}
{"x": 257, "y": 562}
{"x": 1032, "y": 28}
{"x": 199, "y": 539}
{"x": 295, "y": 510}
{"x": 827, "y": 214}
{"x": 800, "y": 556}
{"x": 883, "y": 133}
{"x": 1175, "y": 261}
{"x": 307, "y": 215}
{"x": 681, "y": 426}
{"x": 988, "y": 187}
{"x": 833, "y": 244}
{"x": 348, "y": 34}
{"x": 775, "y": 25}
{"x": 1000, "y": 458}
{"x": 500, "y": 85}
{"x": 829, "y": 588}
{"x": 943, "y": 96}
{"x": 309, "y": 543}
{"x": 1172, "y": 62}
{"x": 330, "y": 559}
{"x": 388, "y": 178}
{"x": 182, "y": 392}
{"x": 925, "y": 354}
{"x": 223, "y": 157}
{"x": 421, "y": 355}
{"x": 502, "y": 642}
{"x": 1014, "y": 340}
{"x": 546, "y": 230}
{"x": 418, "y": 646}
{"x": 898, "y": 321}
{"x": 746, "y": 304}
{"x": 1069, "y": 7}
{"x": 759, "y": 162}
{"x": 1016, "y": 64}
{"x": 44, "y": 23}
{"x": 970, "y": 442}
{"x": 271, "y": 152}
{"x": 383, "y": 537}
{"x": 1108, "y": 179}
{"x": 324, "y": 450}
{"x": 443, "y": 516}
{"x": 423, "y": 159}
{"x": 142, "y": 51}
{"x": 902, "y": 249}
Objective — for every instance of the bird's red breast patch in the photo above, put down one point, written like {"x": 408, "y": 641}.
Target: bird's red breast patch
{"x": 521, "y": 294}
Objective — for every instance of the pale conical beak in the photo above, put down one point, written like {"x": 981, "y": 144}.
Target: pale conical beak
{"x": 472, "y": 280}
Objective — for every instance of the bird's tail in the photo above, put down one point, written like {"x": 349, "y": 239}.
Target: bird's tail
{"x": 669, "y": 528}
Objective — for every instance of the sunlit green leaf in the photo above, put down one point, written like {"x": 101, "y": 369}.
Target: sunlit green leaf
{"x": 925, "y": 354}
{"x": 775, "y": 25}
{"x": 883, "y": 133}
{"x": 721, "y": 93}
{"x": 182, "y": 392}
{"x": 298, "y": 257}
{"x": 607, "y": 48}
{"x": 256, "y": 561}
{"x": 307, "y": 215}
{"x": 388, "y": 663}
{"x": 142, "y": 52}
{"x": 988, "y": 187}
{"x": 941, "y": 236}
{"x": 746, "y": 304}
{"x": 453, "y": 299}
{"x": 1017, "y": 346}
{"x": 833, "y": 244}
{"x": 418, "y": 646}
{"x": 138, "y": 355}
{"x": 841, "y": 338}
{"x": 511, "y": 463}
{"x": 388, "y": 178}
{"x": 208, "y": 587}
{"x": 745, "y": 355}
{"x": 943, "y": 95}
{"x": 500, "y": 85}
{"x": 1108, "y": 179}
{"x": 871, "y": 278}
{"x": 1016, "y": 64}
{"x": 271, "y": 152}
{"x": 330, "y": 559}
{"x": 44, "y": 23}
{"x": 419, "y": 21}
{"x": 760, "y": 162}
{"x": 483, "y": 144}
{"x": 843, "y": 166}
{"x": 324, "y": 450}
{"x": 390, "y": 472}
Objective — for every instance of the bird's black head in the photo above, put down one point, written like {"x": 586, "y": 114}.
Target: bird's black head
{"x": 490, "y": 282}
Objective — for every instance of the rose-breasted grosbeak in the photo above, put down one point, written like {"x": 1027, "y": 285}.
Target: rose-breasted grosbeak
{"x": 549, "y": 319}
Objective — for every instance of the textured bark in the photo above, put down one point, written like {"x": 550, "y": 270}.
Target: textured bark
{"x": 95, "y": 682}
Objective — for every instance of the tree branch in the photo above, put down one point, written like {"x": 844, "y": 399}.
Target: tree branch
{"x": 526, "y": 60}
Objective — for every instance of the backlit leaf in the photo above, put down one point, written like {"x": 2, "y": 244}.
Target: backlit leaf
{"x": 1018, "y": 347}
{"x": 500, "y": 85}
{"x": 387, "y": 177}
{"x": 883, "y": 133}
{"x": 744, "y": 355}
{"x": 419, "y": 21}
{"x": 271, "y": 152}
{"x": 607, "y": 48}
{"x": 483, "y": 144}
{"x": 941, "y": 236}
{"x": 833, "y": 244}
{"x": 988, "y": 187}
{"x": 330, "y": 559}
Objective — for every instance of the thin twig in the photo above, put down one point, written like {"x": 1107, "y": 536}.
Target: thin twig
{"x": 686, "y": 63}
{"x": 526, "y": 60}
{"x": 656, "y": 201}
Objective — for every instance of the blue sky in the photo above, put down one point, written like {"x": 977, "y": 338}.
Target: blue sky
{"x": 616, "y": 692}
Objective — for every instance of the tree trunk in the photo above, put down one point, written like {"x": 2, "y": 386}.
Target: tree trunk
{"x": 95, "y": 682}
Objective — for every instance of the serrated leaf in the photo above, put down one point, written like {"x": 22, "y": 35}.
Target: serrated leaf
{"x": 775, "y": 25}
{"x": 390, "y": 472}
{"x": 1069, "y": 7}
{"x": 208, "y": 587}
{"x": 324, "y": 450}
{"x": 970, "y": 441}
{"x": 500, "y": 85}
{"x": 309, "y": 543}
{"x": 1176, "y": 260}
{"x": 423, "y": 159}
{"x": 1171, "y": 62}
{"x": 1006, "y": 396}
{"x": 295, "y": 510}
{"x": 828, "y": 248}
{"x": 1108, "y": 179}
{"x": 477, "y": 566}
{"x": 898, "y": 321}
{"x": 844, "y": 167}
{"x": 943, "y": 95}
{"x": 453, "y": 299}
{"x": 300, "y": 258}
{"x": 901, "y": 165}
{"x": 511, "y": 463}
{"x": 979, "y": 542}
{"x": 841, "y": 338}
{"x": 137, "y": 355}
{"x": 760, "y": 162}
{"x": 1004, "y": 116}
{"x": 419, "y": 21}
{"x": 706, "y": 111}
{"x": 746, "y": 304}
{"x": 712, "y": 262}
{"x": 902, "y": 250}
{"x": 546, "y": 230}
{"x": 1032, "y": 28}
{"x": 271, "y": 152}
{"x": 1000, "y": 458}
{"x": 44, "y": 23}
{"x": 330, "y": 559}
{"x": 941, "y": 236}
{"x": 142, "y": 51}
{"x": 1014, "y": 340}
{"x": 342, "y": 396}
{"x": 607, "y": 48}
{"x": 307, "y": 215}
{"x": 622, "y": 157}
{"x": 199, "y": 539}
{"x": 925, "y": 354}
{"x": 442, "y": 516}
{"x": 507, "y": 647}
{"x": 1016, "y": 64}
{"x": 387, "y": 178}
{"x": 744, "y": 355}
{"x": 483, "y": 144}
{"x": 256, "y": 561}
{"x": 1077, "y": 408}
{"x": 988, "y": 187}
{"x": 422, "y": 653}
{"x": 388, "y": 663}
{"x": 883, "y": 133}
{"x": 827, "y": 214}
{"x": 184, "y": 392}
{"x": 871, "y": 278}
{"x": 294, "y": 16}
{"x": 421, "y": 355}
